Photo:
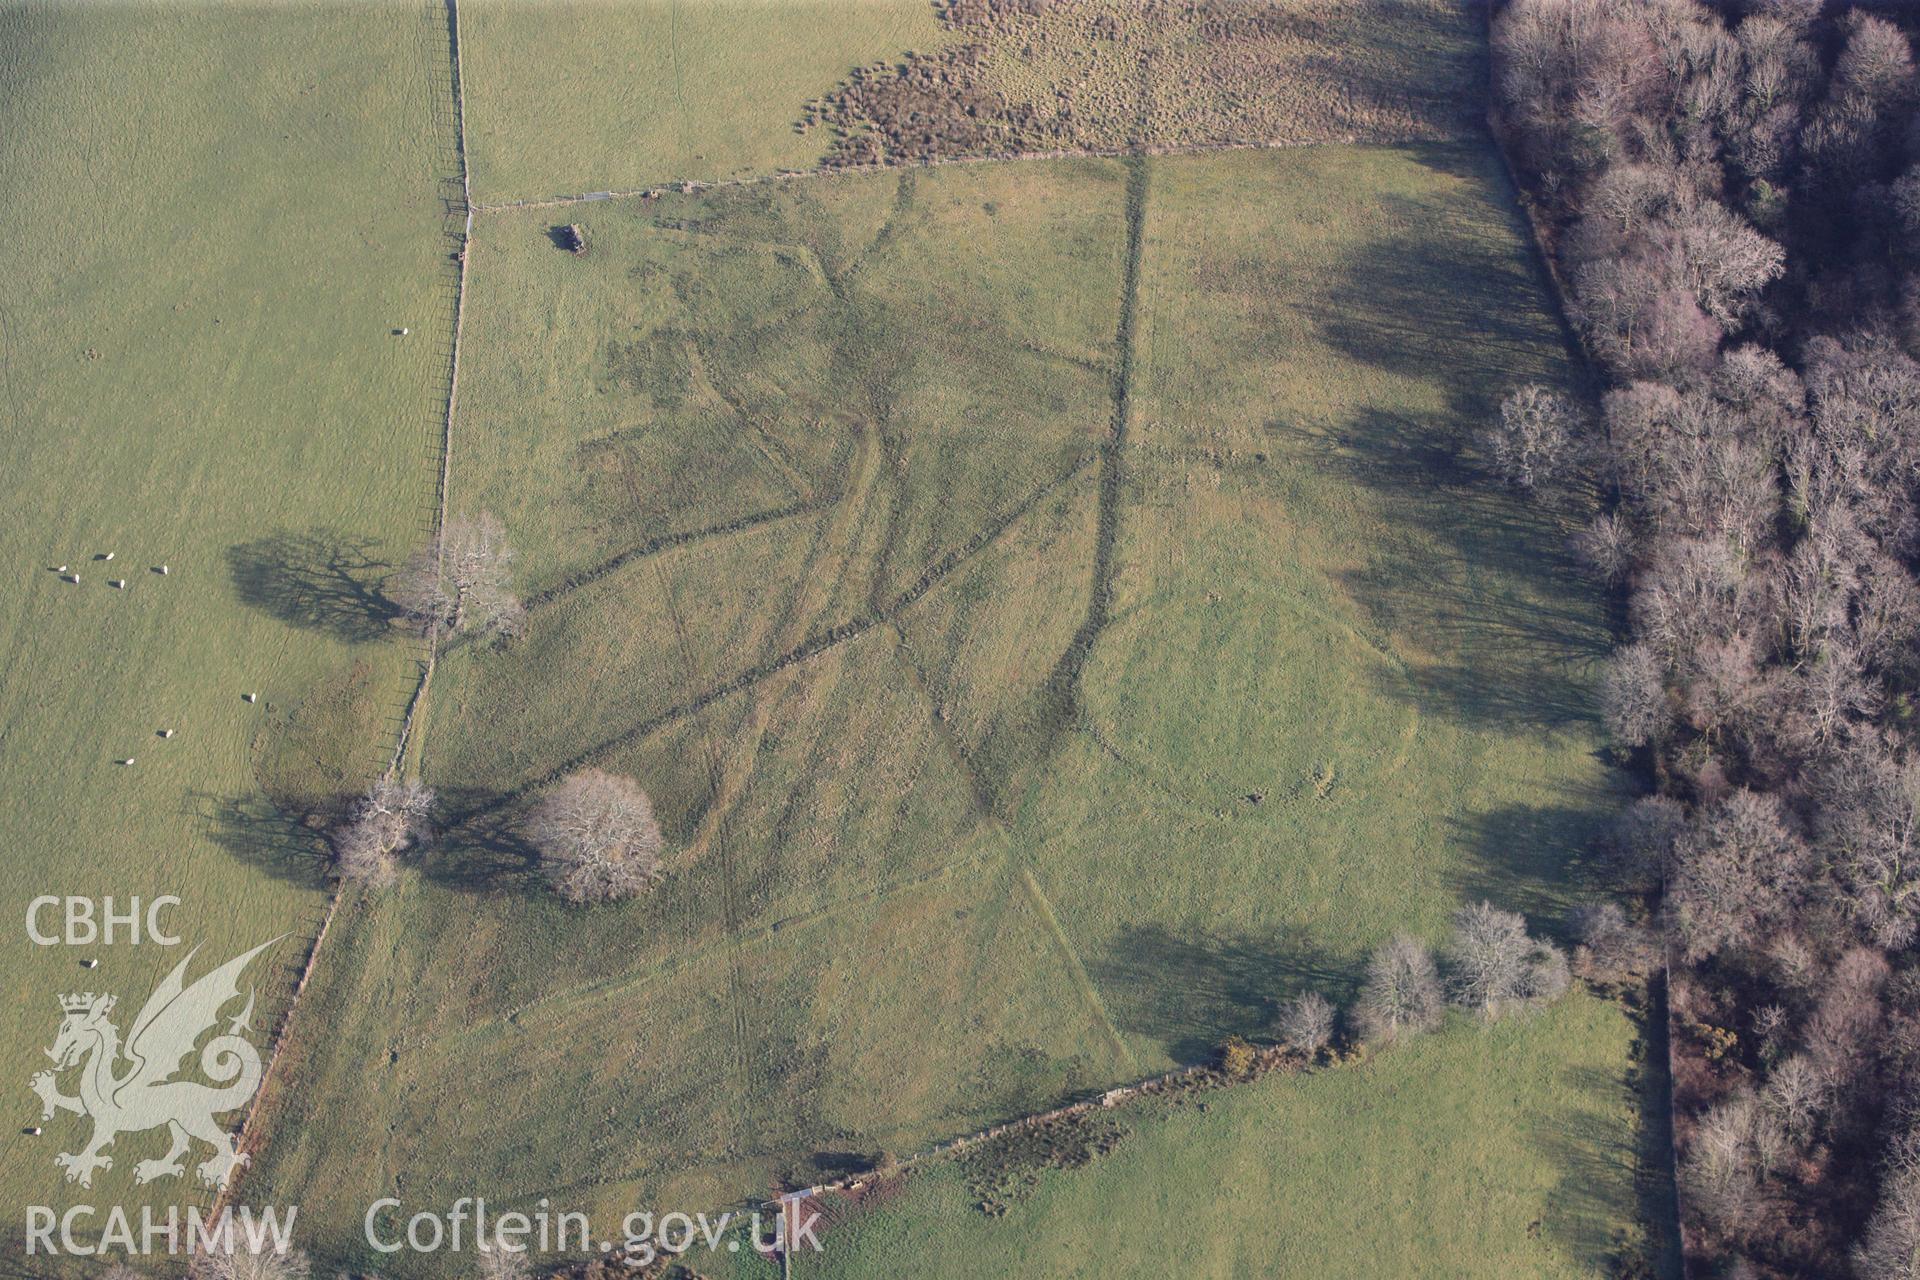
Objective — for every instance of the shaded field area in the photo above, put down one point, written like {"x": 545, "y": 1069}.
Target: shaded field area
{"x": 1496, "y": 1152}
{"x": 204, "y": 268}
{"x": 591, "y": 95}
{"x": 1055, "y": 613}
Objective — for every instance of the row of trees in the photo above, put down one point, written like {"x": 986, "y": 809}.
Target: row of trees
{"x": 1490, "y": 967}
{"x": 1732, "y": 197}
{"x": 595, "y": 834}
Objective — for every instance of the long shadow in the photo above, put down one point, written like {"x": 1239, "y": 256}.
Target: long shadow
{"x": 319, "y": 580}
{"x": 256, "y": 832}
{"x": 1190, "y": 993}
{"x": 1538, "y": 860}
{"x": 1595, "y": 1156}
{"x": 483, "y": 850}
{"x": 1512, "y": 627}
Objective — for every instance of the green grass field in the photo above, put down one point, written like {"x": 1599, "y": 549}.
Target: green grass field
{"x": 1476, "y": 1152}
{"x": 815, "y": 485}
{"x": 1050, "y": 602}
{"x": 608, "y": 95}
{"x": 204, "y": 259}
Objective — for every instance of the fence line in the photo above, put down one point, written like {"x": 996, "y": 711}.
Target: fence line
{"x": 693, "y": 185}
{"x": 437, "y": 521}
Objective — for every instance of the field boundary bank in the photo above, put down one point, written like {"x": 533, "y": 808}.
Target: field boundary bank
{"x": 248, "y": 1137}
{"x": 695, "y": 186}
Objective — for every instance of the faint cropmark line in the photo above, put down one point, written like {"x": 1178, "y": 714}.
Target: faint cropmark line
{"x": 128, "y": 1088}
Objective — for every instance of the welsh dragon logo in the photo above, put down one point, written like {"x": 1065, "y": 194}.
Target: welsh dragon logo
{"x": 130, "y": 1088}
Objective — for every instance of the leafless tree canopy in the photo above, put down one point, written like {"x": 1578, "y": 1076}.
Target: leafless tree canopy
{"x": 1487, "y": 958}
{"x": 1612, "y": 947}
{"x": 1306, "y": 1023}
{"x": 1402, "y": 994}
{"x": 597, "y": 837}
{"x": 462, "y": 580}
{"x": 394, "y": 814}
{"x": 1732, "y": 192}
{"x": 1494, "y": 967}
{"x": 500, "y": 1264}
{"x": 243, "y": 1261}
{"x": 1534, "y": 437}
{"x": 1633, "y": 696}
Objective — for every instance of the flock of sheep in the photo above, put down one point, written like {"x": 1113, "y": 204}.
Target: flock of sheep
{"x": 120, "y": 584}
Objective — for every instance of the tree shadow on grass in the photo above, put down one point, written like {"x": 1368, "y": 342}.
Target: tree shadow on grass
{"x": 1604, "y": 1181}
{"x": 480, "y": 849}
{"x": 1191, "y": 993}
{"x": 1482, "y": 581}
{"x": 256, "y": 832}
{"x": 319, "y": 580}
{"x": 1508, "y": 631}
{"x": 1539, "y": 860}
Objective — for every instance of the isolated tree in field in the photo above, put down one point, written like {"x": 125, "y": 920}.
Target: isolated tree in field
{"x": 597, "y": 837}
{"x": 394, "y": 813}
{"x": 462, "y": 580}
{"x": 1306, "y": 1023}
{"x": 240, "y": 1258}
{"x": 1402, "y": 994}
{"x": 1533, "y": 438}
{"x": 1633, "y": 696}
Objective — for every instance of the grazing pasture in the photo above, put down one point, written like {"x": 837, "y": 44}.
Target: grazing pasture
{"x": 216, "y": 216}
{"x": 1057, "y": 615}
{"x": 1498, "y": 1152}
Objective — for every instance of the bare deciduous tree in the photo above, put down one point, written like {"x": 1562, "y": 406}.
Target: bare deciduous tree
{"x": 462, "y": 580}
{"x": 1306, "y": 1023}
{"x": 1606, "y": 547}
{"x": 1798, "y": 1094}
{"x": 1737, "y": 866}
{"x": 597, "y": 837}
{"x": 1720, "y": 1170}
{"x": 1869, "y": 832}
{"x": 1633, "y": 696}
{"x": 1892, "y": 1242}
{"x": 1728, "y": 263}
{"x": 1402, "y": 992}
{"x": 1641, "y": 841}
{"x": 1534, "y": 437}
{"x": 499, "y": 1263}
{"x": 394, "y": 813}
{"x": 1612, "y": 947}
{"x": 244, "y": 1259}
{"x": 1494, "y": 967}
